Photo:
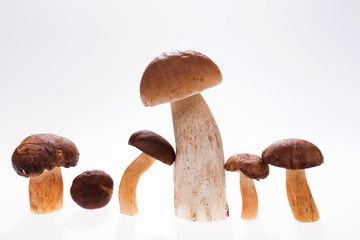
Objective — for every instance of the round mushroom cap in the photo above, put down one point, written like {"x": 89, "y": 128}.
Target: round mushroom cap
{"x": 293, "y": 154}
{"x": 175, "y": 75}
{"x": 153, "y": 145}
{"x": 92, "y": 189}
{"x": 40, "y": 152}
{"x": 250, "y": 165}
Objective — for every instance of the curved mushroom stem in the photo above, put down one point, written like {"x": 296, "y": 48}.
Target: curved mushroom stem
{"x": 199, "y": 172}
{"x": 46, "y": 192}
{"x": 128, "y": 184}
{"x": 249, "y": 198}
{"x": 299, "y": 195}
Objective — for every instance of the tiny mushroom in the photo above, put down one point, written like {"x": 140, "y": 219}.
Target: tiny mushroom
{"x": 40, "y": 157}
{"x": 296, "y": 155}
{"x": 92, "y": 189}
{"x": 250, "y": 167}
{"x": 178, "y": 77}
{"x": 153, "y": 147}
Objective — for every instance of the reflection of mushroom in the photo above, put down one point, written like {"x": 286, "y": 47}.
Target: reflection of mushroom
{"x": 40, "y": 157}
{"x": 92, "y": 189}
{"x": 295, "y": 155}
{"x": 199, "y": 174}
{"x": 154, "y": 147}
{"x": 250, "y": 167}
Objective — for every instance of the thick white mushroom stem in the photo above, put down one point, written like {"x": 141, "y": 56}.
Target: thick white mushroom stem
{"x": 199, "y": 172}
{"x": 299, "y": 195}
{"x": 249, "y": 198}
{"x": 129, "y": 181}
{"x": 46, "y": 192}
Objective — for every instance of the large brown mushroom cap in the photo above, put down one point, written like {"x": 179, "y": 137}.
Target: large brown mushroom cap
{"x": 175, "y": 75}
{"x": 293, "y": 154}
{"x": 92, "y": 189}
{"x": 40, "y": 152}
{"x": 250, "y": 165}
{"x": 153, "y": 145}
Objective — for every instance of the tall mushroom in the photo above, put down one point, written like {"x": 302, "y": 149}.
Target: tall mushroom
{"x": 154, "y": 147}
{"x": 40, "y": 157}
{"x": 250, "y": 167}
{"x": 296, "y": 155}
{"x": 178, "y": 77}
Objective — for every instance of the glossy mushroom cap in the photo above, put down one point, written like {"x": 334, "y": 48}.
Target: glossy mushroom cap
{"x": 40, "y": 152}
{"x": 92, "y": 189}
{"x": 153, "y": 145}
{"x": 250, "y": 165}
{"x": 293, "y": 154}
{"x": 175, "y": 75}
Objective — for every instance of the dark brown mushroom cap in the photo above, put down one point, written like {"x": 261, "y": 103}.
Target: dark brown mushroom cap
{"x": 40, "y": 152}
{"x": 249, "y": 164}
{"x": 92, "y": 189}
{"x": 175, "y": 75}
{"x": 293, "y": 154}
{"x": 153, "y": 145}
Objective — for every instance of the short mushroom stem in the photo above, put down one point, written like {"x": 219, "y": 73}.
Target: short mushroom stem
{"x": 129, "y": 181}
{"x": 299, "y": 195}
{"x": 46, "y": 192}
{"x": 199, "y": 172}
{"x": 249, "y": 198}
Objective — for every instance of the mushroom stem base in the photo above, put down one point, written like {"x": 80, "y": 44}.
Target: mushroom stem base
{"x": 299, "y": 195}
{"x": 129, "y": 181}
{"x": 46, "y": 192}
{"x": 249, "y": 198}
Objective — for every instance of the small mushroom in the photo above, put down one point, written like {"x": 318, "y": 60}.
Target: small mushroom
{"x": 153, "y": 147}
{"x": 178, "y": 77}
{"x": 250, "y": 167}
{"x": 296, "y": 155}
{"x": 92, "y": 189}
{"x": 40, "y": 157}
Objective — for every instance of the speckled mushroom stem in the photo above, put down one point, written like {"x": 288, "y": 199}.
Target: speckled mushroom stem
{"x": 299, "y": 195}
{"x": 199, "y": 173}
{"x": 249, "y": 198}
{"x": 46, "y": 192}
{"x": 129, "y": 181}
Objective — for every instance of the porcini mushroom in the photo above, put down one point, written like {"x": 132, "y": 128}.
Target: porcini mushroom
{"x": 92, "y": 189}
{"x": 296, "y": 155}
{"x": 153, "y": 147}
{"x": 178, "y": 77}
{"x": 250, "y": 167}
{"x": 40, "y": 157}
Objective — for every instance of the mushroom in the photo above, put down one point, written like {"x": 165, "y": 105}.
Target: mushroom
{"x": 296, "y": 155}
{"x": 40, "y": 157}
{"x": 153, "y": 147}
{"x": 250, "y": 167}
{"x": 178, "y": 77}
{"x": 92, "y": 189}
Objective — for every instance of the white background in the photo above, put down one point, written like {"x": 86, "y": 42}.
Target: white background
{"x": 290, "y": 69}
